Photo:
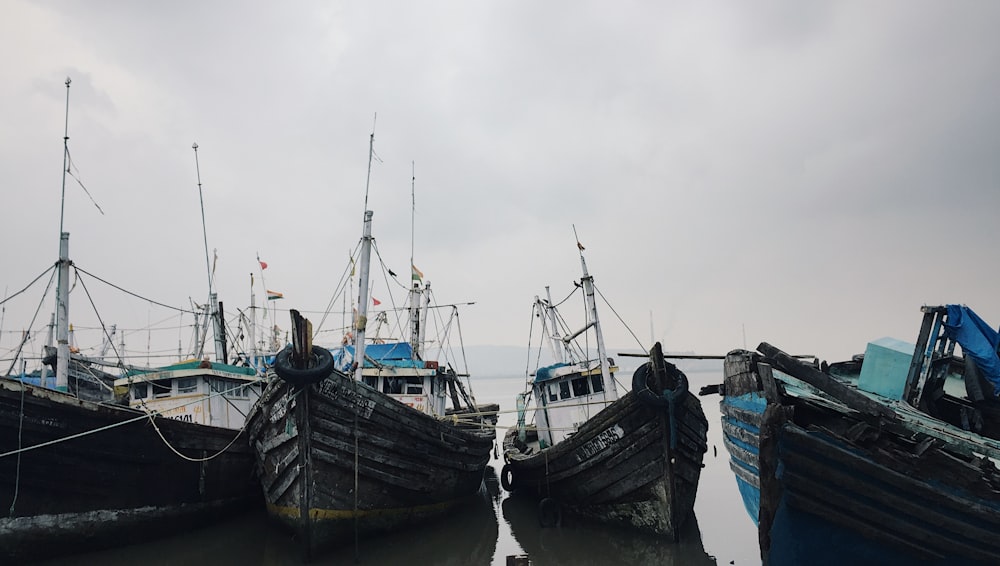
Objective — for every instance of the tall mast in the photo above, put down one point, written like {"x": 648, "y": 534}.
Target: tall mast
{"x": 362, "y": 321}
{"x": 253, "y": 326}
{"x": 62, "y": 282}
{"x": 559, "y": 349}
{"x": 588, "y": 291}
{"x": 213, "y": 298}
{"x": 415, "y": 292}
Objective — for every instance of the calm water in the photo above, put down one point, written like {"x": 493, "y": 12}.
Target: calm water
{"x": 487, "y": 531}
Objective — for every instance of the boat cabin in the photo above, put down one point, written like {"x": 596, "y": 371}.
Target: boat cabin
{"x": 566, "y": 396}
{"x": 208, "y": 393}
{"x": 394, "y": 370}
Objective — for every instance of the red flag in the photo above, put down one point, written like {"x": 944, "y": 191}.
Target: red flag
{"x": 376, "y": 302}
{"x": 263, "y": 265}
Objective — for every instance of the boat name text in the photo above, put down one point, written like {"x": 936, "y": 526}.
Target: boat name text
{"x": 600, "y": 442}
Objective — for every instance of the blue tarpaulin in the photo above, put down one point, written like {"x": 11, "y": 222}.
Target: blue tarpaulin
{"x": 547, "y": 372}
{"x": 978, "y": 341}
{"x": 396, "y": 354}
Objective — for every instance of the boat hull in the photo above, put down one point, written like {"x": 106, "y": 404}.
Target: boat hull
{"x": 622, "y": 467}
{"x": 95, "y": 490}
{"x": 338, "y": 459}
{"x": 834, "y": 486}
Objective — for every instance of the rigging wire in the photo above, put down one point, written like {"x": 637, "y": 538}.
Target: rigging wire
{"x": 136, "y": 295}
{"x": 121, "y": 362}
{"x": 32, "y": 324}
{"x": 33, "y": 281}
{"x": 69, "y": 169}
{"x": 636, "y": 338}
{"x": 341, "y": 285}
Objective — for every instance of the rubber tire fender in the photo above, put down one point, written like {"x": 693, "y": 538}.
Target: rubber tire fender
{"x": 507, "y": 477}
{"x": 549, "y": 513}
{"x": 646, "y": 396}
{"x": 320, "y": 366}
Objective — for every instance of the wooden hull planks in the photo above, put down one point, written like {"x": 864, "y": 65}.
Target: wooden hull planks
{"x": 619, "y": 467}
{"x": 338, "y": 458}
{"x": 97, "y": 489}
{"x": 835, "y": 485}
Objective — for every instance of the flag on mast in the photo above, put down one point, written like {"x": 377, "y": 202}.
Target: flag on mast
{"x": 274, "y": 295}
{"x": 417, "y": 274}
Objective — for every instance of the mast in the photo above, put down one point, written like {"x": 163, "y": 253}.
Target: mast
{"x": 416, "y": 328}
{"x": 213, "y": 298}
{"x": 44, "y": 373}
{"x": 415, "y": 293}
{"x": 588, "y": 291}
{"x": 425, "y": 309}
{"x": 559, "y": 349}
{"x": 62, "y": 282}
{"x": 362, "y": 321}
{"x": 253, "y": 326}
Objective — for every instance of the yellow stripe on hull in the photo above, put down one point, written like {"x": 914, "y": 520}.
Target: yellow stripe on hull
{"x": 286, "y": 512}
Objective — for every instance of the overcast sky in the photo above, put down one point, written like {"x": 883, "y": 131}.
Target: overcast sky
{"x": 803, "y": 173}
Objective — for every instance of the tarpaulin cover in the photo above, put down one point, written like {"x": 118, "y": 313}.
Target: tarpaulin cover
{"x": 396, "y": 354}
{"x": 978, "y": 340}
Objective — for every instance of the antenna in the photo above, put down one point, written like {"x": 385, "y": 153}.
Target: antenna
{"x": 371, "y": 151}
{"x": 62, "y": 206}
{"x": 413, "y": 211}
{"x": 213, "y": 299}
{"x": 204, "y": 230}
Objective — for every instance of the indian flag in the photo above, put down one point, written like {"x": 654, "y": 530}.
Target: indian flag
{"x": 417, "y": 274}
{"x": 274, "y": 295}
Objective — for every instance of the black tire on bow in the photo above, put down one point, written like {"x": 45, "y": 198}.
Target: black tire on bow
{"x": 549, "y": 513}
{"x": 320, "y": 366}
{"x": 640, "y": 386}
{"x": 507, "y": 477}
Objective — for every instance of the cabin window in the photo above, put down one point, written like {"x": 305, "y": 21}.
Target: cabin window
{"x": 580, "y": 387}
{"x": 187, "y": 384}
{"x": 392, "y": 385}
{"x": 414, "y": 385}
{"x": 241, "y": 391}
{"x": 162, "y": 388}
{"x": 140, "y": 390}
{"x": 564, "y": 390}
{"x": 597, "y": 382}
{"x": 370, "y": 381}
{"x": 553, "y": 392}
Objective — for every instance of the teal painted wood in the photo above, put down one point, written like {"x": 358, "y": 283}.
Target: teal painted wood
{"x": 886, "y": 364}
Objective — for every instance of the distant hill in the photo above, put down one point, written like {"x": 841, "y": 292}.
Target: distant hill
{"x": 512, "y": 362}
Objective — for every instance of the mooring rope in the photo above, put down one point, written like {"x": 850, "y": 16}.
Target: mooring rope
{"x": 72, "y": 436}
{"x": 17, "y": 474}
{"x": 152, "y": 420}
{"x": 147, "y": 413}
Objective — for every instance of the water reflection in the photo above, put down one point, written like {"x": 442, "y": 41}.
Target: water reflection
{"x": 468, "y": 536}
{"x": 580, "y": 542}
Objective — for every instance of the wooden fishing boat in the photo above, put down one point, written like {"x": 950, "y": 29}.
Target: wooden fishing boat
{"x": 633, "y": 461}
{"x": 80, "y": 471}
{"x": 77, "y": 475}
{"x": 889, "y": 458}
{"x": 361, "y": 440}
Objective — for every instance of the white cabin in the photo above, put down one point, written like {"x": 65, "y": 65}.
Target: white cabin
{"x": 219, "y": 395}
{"x": 566, "y": 396}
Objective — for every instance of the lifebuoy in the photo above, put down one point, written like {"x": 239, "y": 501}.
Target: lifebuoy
{"x": 320, "y": 366}
{"x": 640, "y": 386}
{"x": 507, "y": 477}
{"x": 549, "y": 513}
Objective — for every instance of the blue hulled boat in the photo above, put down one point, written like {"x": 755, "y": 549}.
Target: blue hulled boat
{"x": 888, "y": 458}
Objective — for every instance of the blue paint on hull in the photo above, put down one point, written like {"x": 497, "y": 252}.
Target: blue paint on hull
{"x": 753, "y": 403}
{"x": 751, "y": 498}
